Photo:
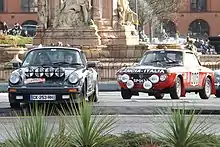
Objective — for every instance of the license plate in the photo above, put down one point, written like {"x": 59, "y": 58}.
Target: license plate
{"x": 42, "y": 97}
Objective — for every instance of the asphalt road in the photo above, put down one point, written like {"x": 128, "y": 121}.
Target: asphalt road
{"x": 112, "y": 103}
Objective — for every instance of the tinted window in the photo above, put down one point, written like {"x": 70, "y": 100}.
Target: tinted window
{"x": 162, "y": 56}
{"x": 198, "y": 5}
{"x": 51, "y": 56}
{"x": 191, "y": 60}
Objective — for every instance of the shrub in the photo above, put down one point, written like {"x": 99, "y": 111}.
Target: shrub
{"x": 10, "y": 40}
{"x": 185, "y": 130}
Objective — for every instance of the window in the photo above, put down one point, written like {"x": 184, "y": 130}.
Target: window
{"x": 29, "y": 5}
{"x": 1, "y": 5}
{"x": 162, "y": 57}
{"x": 191, "y": 60}
{"x": 199, "y": 29}
{"x": 198, "y": 5}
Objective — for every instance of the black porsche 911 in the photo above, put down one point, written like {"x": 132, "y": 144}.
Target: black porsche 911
{"x": 53, "y": 75}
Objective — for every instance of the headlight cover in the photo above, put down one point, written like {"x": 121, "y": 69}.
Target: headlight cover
{"x": 14, "y": 78}
{"x": 154, "y": 79}
{"x": 163, "y": 77}
{"x": 125, "y": 78}
{"x": 73, "y": 78}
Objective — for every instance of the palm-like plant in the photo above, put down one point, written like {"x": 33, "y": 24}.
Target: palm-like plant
{"x": 87, "y": 130}
{"x": 35, "y": 131}
{"x": 184, "y": 130}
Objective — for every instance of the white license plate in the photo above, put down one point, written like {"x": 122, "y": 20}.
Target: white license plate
{"x": 42, "y": 97}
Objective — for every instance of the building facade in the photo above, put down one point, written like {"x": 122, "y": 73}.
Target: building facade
{"x": 197, "y": 18}
{"x": 18, "y": 11}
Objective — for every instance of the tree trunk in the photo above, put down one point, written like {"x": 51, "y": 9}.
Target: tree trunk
{"x": 150, "y": 30}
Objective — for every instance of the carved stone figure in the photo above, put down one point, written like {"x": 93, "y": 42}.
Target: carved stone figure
{"x": 74, "y": 13}
{"x": 125, "y": 14}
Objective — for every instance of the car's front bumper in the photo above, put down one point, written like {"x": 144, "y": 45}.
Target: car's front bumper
{"x": 62, "y": 94}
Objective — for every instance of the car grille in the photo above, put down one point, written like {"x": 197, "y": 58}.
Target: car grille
{"x": 140, "y": 76}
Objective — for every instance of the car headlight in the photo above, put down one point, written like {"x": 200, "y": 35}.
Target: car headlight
{"x": 73, "y": 78}
{"x": 217, "y": 78}
{"x": 163, "y": 77}
{"x": 154, "y": 79}
{"x": 147, "y": 85}
{"x": 14, "y": 78}
{"x": 130, "y": 84}
{"x": 125, "y": 78}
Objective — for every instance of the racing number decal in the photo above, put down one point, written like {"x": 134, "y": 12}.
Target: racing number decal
{"x": 194, "y": 78}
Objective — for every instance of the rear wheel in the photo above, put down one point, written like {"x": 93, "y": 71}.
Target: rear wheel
{"x": 205, "y": 93}
{"x": 126, "y": 93}
{"x": 175, "y": 91}
{"x": 159, "y": 96}
{"x": 95, "y": 95}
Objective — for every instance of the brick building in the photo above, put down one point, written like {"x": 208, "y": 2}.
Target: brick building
{"x": 18, "y": 11}
{"x": 197, "y": 18}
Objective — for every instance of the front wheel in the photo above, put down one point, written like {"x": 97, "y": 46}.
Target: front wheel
{"x": 15, "y": 105}
{"x": 126, "y": 94}
{"x": 159, "y": 96}
{"x": 175, "y": 91}
{"x": 206, "y": 91}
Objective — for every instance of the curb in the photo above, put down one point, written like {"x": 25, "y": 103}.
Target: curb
{"x": 103, "y": 86}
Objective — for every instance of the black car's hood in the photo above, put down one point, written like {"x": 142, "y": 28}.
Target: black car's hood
{"x": 143, "y": 69}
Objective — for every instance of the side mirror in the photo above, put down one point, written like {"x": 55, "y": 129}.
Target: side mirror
{"x": 91, "y": 64}
{"x": 16, "y": 65}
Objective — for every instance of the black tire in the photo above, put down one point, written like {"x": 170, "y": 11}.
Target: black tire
{"x": 126, "y": 94}
{"x": 159, "y": 96}
{"x": 95, "y": 95}
{"x": 175, "y": 91}
{"x": 217, "y": 94}
{"x": 15, "y": 105}
{"x": 206, "y": 91}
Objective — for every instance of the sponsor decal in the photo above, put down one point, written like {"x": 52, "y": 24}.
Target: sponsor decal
{"x": 144, "y": 71}
{"x": 34, "y": 80}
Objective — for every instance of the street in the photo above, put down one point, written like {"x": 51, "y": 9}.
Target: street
{"x": 130, "y": 112}
{"x": 112, "y": 103}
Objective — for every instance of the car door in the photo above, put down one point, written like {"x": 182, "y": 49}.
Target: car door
{"x": 193, "y": 75}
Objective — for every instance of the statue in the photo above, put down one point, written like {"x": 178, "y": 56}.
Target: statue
{"x": 125, "y": 14}
{"x": 74, "y": 13}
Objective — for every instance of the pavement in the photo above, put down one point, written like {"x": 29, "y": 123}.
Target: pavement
{"x": 103, "y": 86}
{"x": 112, "y": 103}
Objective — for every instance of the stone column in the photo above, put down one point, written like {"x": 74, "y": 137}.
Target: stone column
{"x": 97, "y": 12}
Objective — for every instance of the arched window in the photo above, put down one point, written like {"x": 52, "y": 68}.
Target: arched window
{"x": 170, "y": 27}
{"x": 199, "y": 28}
{"x": 30, "y": 22}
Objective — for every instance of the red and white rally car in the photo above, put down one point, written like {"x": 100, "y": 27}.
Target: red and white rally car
{"x": 168, "y": 68}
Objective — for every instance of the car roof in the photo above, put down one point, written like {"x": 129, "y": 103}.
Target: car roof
{"x": 56, "y": 47}
{"x": 169, "y": 47}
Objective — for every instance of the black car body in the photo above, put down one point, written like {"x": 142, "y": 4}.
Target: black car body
{"x": 48, "y": 75}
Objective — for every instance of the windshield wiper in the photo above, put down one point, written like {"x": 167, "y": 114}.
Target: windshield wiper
{"x": 66, "y": 63}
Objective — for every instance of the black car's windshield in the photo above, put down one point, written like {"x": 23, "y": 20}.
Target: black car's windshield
{"x": 162, "y": 57}
{"x": 53, "y": 57}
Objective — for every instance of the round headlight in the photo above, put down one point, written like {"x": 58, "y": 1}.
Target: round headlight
{"x": 73, "y": 78}
{"x": 130, "y": 84}
{"x": 14, "y": 78}
{"x": 49, "y": 72}
{"x": 125, "y": 78}
{"x": 154, "y": 79}
{"x": 39, "y": 72}
{"x": 147, "y": 85}
{"x": 29, "y": 72}
{"x": 59, "y": 72}
{"x": 163, "y": 77}
{"x": 119, "y": 77}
